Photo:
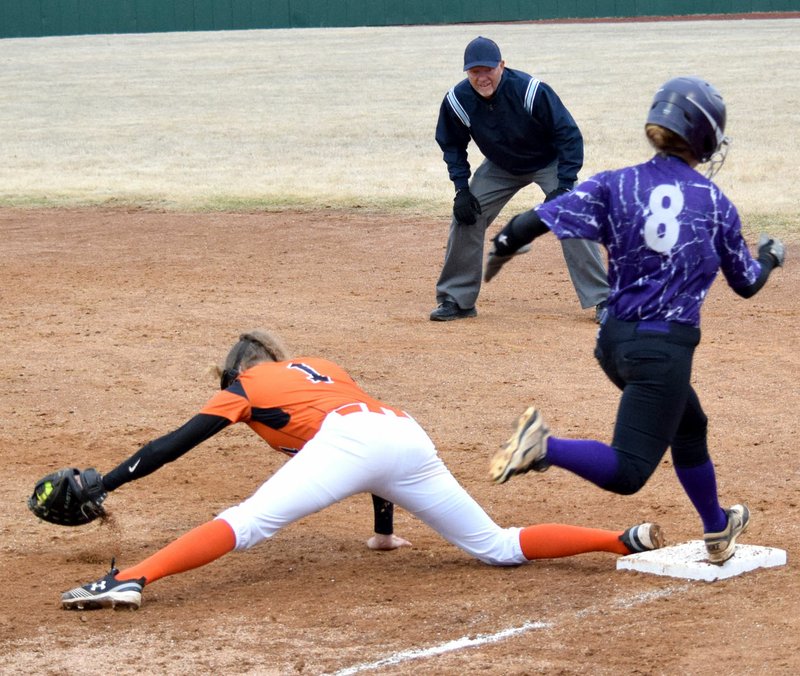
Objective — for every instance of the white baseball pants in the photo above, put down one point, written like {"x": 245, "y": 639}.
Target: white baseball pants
{"x": 358, "y": 451}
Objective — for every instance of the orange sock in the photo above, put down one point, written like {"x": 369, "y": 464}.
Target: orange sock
{"x": 196, "y": 548}
{"x": 554, "y": 540}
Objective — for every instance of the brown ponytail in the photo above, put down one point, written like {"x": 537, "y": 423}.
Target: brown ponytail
{"x": 252, "y": 348}
{"x": 667, "y": 142}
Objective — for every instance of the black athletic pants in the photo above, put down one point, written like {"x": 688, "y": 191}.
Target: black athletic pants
{"x": 651, "y": 362}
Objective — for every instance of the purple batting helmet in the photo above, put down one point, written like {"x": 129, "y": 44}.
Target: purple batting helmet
{"x": 694, "y": 110}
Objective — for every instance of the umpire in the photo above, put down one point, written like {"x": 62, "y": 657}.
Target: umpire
{"x": 526, "y": 135}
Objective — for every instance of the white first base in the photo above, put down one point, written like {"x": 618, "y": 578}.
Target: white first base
{"x": 688, "y": 561}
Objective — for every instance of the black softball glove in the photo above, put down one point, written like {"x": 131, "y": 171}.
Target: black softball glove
{"x": 69, "y": 497}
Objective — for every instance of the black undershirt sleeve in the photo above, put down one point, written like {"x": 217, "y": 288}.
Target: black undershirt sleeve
{"x": 767, "y": 261}
{"x": 159, "y": 452}
{"x": 527, "y": 226}
{"x": 522, "y": 229}
{"x": 384, "y": 515}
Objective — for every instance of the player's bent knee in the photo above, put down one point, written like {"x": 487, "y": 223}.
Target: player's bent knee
{"x": 630, "y": 478}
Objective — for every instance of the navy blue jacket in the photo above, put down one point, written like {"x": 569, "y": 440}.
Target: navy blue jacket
{"x": 521, "y": 129}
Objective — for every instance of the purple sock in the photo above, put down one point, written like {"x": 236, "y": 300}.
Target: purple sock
{"x": 590, "y": 460}
{"x": 700, "y": 484}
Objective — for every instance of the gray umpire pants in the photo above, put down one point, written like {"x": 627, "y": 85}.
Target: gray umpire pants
{"x": 460, "y": 279}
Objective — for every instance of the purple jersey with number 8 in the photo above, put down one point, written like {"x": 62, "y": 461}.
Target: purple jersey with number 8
{"x": 667, "y": 230}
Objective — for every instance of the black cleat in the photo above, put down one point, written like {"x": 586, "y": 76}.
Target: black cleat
{"x": 107, "y": 592}
{"x": 643, "y": 538}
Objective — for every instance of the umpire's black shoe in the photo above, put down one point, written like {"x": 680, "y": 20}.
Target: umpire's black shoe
{"x": 448, "y": 310}
{"x": 107, "y": 592}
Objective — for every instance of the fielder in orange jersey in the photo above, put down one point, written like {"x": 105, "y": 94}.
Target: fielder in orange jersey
{"x": 342, "y": 442}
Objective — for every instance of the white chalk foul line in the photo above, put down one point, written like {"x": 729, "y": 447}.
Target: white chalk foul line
{"x": 457, "y": 644}
{"x": 482, "y": 639}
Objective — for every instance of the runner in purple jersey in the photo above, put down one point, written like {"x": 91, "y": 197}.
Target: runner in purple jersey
{"x": 668, "y": 230}
{"x": 684, "y": 231}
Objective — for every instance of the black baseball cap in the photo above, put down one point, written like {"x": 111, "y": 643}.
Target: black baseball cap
{"x": 482, "y": 52}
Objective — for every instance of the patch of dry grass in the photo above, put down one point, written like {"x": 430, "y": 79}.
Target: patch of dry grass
{"x": 346, "y": 117}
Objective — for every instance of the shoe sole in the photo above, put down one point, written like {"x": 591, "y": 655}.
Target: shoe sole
{"x": 643, "y": 538}
{"x": 130, "y": 600}
{"x": 655, "y": 538}
{"x": 721, "y": 557}
{"x": 514, "y": 454}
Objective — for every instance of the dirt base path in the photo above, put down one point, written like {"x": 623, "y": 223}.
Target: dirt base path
{"x": 110, "y": 321}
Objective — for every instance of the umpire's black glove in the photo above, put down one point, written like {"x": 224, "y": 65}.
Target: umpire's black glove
{"x": 466, "y": 207}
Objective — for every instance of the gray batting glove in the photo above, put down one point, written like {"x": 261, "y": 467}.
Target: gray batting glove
{"x": 774, "y": 247}
{"x": 495, "y": 262}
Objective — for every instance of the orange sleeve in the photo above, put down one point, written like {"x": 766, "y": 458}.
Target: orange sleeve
{"x": 228, "y": 405}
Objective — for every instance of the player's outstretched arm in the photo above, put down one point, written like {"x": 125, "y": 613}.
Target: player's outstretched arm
{"x": 71, "y": 497}
{"x": 170, "y": 447}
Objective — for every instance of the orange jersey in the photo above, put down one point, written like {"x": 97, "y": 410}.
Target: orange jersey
{"x": 285, "y": 402}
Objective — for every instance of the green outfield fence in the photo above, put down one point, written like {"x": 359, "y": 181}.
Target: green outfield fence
{"x": 35, "y": 18}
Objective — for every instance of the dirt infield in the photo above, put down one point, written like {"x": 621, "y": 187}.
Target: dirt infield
{"x": 110, "y": 322}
